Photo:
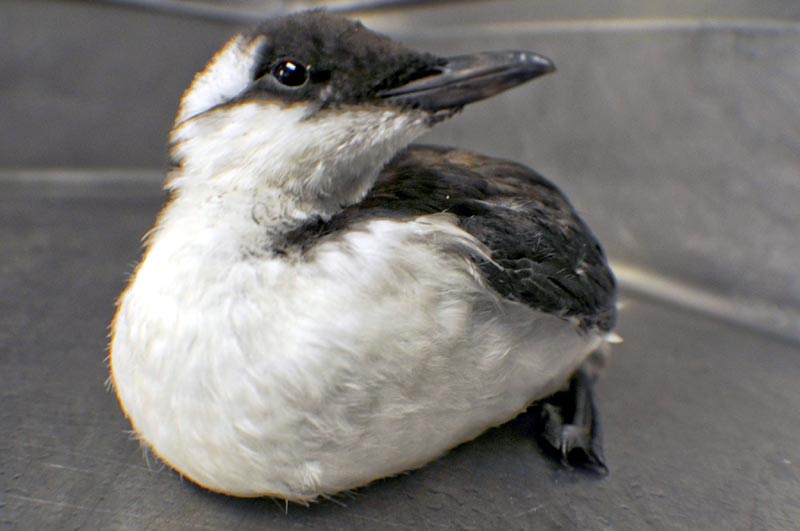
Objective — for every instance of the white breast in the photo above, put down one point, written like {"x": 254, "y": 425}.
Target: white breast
{"x": 300, "y": 376}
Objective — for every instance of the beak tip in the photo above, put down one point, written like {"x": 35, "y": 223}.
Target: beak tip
{"x": 538, "y": 63}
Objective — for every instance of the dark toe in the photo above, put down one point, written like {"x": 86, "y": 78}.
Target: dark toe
{"x": 567, "y": 426}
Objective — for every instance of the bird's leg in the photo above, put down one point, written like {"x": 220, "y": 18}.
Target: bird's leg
{"x": 567, "y": 424}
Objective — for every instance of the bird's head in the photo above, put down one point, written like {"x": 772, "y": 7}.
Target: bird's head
{"x": 313, "y": 105}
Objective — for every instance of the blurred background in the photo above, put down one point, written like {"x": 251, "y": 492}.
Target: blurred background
{"x": 674, "y": 126}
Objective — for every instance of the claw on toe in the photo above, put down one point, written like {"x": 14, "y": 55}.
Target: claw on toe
{"x": 585, "y": 457}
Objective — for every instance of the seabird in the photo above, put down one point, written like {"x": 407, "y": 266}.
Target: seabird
{"x": 322, "y": 304}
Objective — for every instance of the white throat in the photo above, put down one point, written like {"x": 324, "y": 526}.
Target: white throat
{"x": 277, "y": 164}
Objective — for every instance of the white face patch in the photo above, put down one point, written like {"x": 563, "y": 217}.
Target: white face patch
{"x": 227, "y": 75}
{"x": 315, "y": 161}
{"x": 289, "y": 159}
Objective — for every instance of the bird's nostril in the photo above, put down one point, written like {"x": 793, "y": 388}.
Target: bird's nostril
{"x": 396, "y": 80}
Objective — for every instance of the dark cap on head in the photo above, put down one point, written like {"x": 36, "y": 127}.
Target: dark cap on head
{"x": 344, "y": 61}
{"x": 314, "y": 55}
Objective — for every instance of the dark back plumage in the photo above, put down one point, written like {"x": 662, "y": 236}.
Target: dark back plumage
{"x": 548, "y": 258}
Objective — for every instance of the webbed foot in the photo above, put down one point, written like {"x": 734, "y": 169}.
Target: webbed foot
{"x": 567, "y": 425}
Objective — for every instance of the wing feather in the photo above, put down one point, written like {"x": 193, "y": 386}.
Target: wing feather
{"x": 542, "y": 253}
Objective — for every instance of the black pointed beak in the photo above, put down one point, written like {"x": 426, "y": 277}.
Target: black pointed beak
{"x": 467, "y": 78}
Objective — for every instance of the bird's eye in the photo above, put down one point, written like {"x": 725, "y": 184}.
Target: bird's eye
{"x": 290, "y": 73}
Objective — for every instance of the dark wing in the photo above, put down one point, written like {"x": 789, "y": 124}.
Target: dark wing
{"x": 548, "y": 257}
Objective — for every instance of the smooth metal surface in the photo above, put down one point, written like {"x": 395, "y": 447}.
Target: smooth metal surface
{"x": 251, "y": 10}
{"x": 673, "y": 126}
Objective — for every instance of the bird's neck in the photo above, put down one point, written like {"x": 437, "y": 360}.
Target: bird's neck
{"x": 239, "y": 209}
{"x": 257, "y": 171}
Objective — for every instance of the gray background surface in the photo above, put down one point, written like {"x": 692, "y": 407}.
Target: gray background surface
{"x": 674, "y": 127}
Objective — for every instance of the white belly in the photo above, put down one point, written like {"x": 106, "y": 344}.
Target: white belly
{"x": 295, "y": 378}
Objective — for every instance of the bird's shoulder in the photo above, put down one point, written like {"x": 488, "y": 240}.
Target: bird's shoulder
{"x": 543, "y": 254}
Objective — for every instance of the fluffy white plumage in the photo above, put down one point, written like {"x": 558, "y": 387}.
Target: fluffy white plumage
{"x": 302, "y": 375}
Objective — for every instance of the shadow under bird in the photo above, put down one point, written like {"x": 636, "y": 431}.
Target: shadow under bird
{"x": 322, "y": 304}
